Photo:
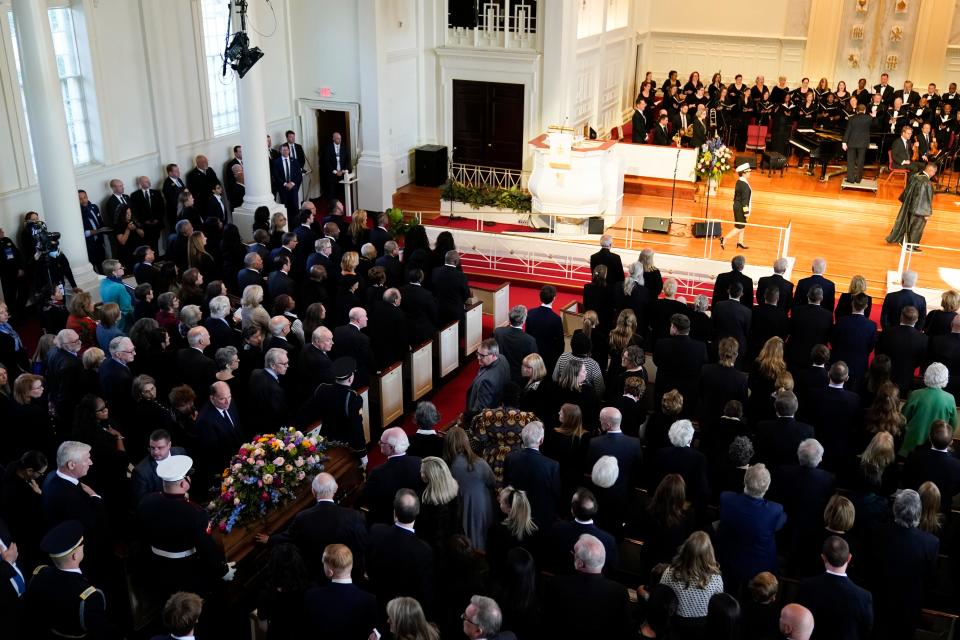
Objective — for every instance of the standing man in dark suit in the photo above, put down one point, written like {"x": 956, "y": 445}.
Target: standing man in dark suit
{"x": 810, "y": 324}
{"x": 339, "y": 409}
{"x": 268, "y": 399}
{"x": 400, "y": 471}
{"x": 563, "y": 535}
{"x": 338, "y": 608}
{"x": 238, "y": 187}
{"x": 93, "y": 230}
{"x": 147, "y": 205}
{"x": 853, "y": 338}
{"x": 903, "y": 566}
{"x": 197, "y": 370}
{"x": 228, "y": 176}
{"x": 314, "y": 365}
{"x": 251, "y": 272}
{"x": 638, "y": 123}
{"x": 388, "y": 330}
{"x": 896, "y": 301}
{"x": 767, "y": 320}
{"x": 113, "y": 203}
{"x": 907, "y": 94}
{"x": 856, "y": 139}
{"x": 116, "y": 379}
{"x": 486, "y": 390}
{"x": 842, "y": 610}
{"x": 785, "y": 301}
{"x": 907, "y": 348}
{"x": 334, "y": 160}
{"x": 287, "y": 178}
{"x": 295, "y": 149}
{"x": 515, "y": 344}
{"x": 679, "y": 359}
{"x": 935, "y": 463}
{"x": 200, "y": 181}
{"x": 529, "y": 470}
{"x": 219, "y": 206}
{"x": 390, "y": 261}
{"x": 804, "y": 491}
{"x": 818, "y": 268}
{"x": 173, "y": 185}
{"x": 143, "y": 478}
{"x": 732, "y": 318}
{"x": 777, "y": 440}
{"x": 420, "y": 308}
{"x": 661, "y": 132}
{"x": 65, "y": 497}
{"x": 546, "y": 327}
{"x": 742, "y": 197}
{"x": 611, "y": 260}
{"x": 64, "y": 377}
{"x": 380, "y": 234}
{"x": 626, "y": 449}
{"x": 219, "y": 432}
{"x": 349, "y": 340}
{"x": 721, "y": 285}
{"x": 450, "y": 287}
{"x": 218, "y": 326}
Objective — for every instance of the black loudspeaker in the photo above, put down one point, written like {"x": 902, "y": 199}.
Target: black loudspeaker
{"x": 706, "y": 229}
{"x": 656, "y": 225}
{"x": 745, "y": 159}
{"x": 430, "y": 162}
{"x": 595, "y": 225}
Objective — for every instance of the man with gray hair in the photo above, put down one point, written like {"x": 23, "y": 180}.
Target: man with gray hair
{"x": 486, "y": 390}
{"x": 482, "y": 620}
{"x": 585, "y": 604}
{"x": 610, "y": 260}
{"x": 400, "y": 471}
{"x": 804, "y": 491}
{"x": 896, "y": 301}
{"x": 218, "y": 325}
{"x": 390, "y": 261}
{"x": 252, "y": 272}
{"x": 904, "y": 563}
{"x": 116, "y": 379}
{"x": 197, "y": 369}
{"x": 314, "y": 365}
{"x": 64, "y": 371}
{"x": 65, "y": 497}
{"x": 267, "y": 400}
{"x": 426, "y": 442}
{"x": 777, "y": 440}
{"x": 451, "y": 289}
{"x": 388, "y": 329}
{"x": 279, "y": 328}
{"x": 626, "y": 449}
{"x": 529, "y": 470}
{"x": 685, "y": 461}
{"x": 777, "y": 281}
{"x": 515, "y": 344}
{"x": 349, "y": 340}
{"x": 818, "y": 268}
{"x": 721, "y": 286}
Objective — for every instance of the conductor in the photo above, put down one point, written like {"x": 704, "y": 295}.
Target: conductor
{"x": 856, "y": 139}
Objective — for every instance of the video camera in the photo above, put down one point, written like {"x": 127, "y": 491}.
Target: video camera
{"x": 46, "y": 241}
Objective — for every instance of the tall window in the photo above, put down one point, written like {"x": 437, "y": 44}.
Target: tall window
{"x": 224, "y": 105}
{"x": 71, "y": 81}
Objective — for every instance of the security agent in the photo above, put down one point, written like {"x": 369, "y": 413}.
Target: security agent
{"x": 183, "y": 557}
{"x": 60, "y": 602}
{"x": 339, "y": 408}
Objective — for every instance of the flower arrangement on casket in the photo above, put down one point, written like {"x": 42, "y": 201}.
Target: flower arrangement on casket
{"x": 266, "y": 474}
{"x": 715, "y": 158}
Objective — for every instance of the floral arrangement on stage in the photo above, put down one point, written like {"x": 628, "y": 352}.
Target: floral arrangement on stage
{"x": 715, "y": 159}
{"x": 265, "y": 474}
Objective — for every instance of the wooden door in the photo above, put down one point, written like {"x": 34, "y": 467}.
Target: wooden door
{"x": 488, "y": 124}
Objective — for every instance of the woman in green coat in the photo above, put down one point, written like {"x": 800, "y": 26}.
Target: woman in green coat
{"x": 926, "y": 405}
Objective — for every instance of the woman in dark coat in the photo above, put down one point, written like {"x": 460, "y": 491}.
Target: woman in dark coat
{"x": 598, "y": 297}
{"x": 567, "y": 443}
{"x": 439, "y": 517}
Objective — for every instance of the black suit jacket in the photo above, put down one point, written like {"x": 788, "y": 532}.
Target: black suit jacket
{"x": 247, "y": 276}
{"x": 690, "y": 464}
{"x": 945, "y": 349}
{"x": 804, "y": 286}
{"x": 539, "y": 476}
{"x": 907, "y": 349}
{"x": 810, "y": 324}
{"x": 143, "y": 212}
{"x": 835, "y": 415}
{"x": 629, "y": 455}
{"x": 221, "y": 334}
{"x": 612, "y": 261}
{"x": 777, "y": 440}
{"x": 279, "y": 283}
{"x": 912, "y": 98}
{"x": 400, "y": 564}
{"x": 731, "y": 318}
{"x": 323, "y": 524}
{"x": 340, "y": 611}
{"x": 388, "y": 334}
{"x": 218, "y": 438}
{"x": 329, "y": 159}
{"x": 515, "y": 345}
{"x": 766, "y": 322}
{"x": 661, "y": 136}
{"x": 62, "y": 500}
{"x": 852, "y": 339}
{"x": 201, "y": 184}
{"x": 939, "y": 467}
{"x": 885, "y": 92}
{"x": 348, "y": 340}
{"x": 196, "y": 370}
{"x": 171, "y": 196}
{"x": 378, "y": 237}
{"x": 804, "y": 493}
{"x": 450, "y": 286}
{"x": 561, "y": 537}
{"x": 270, "y": 409}
{"x": 841, "y": 609}
{"x": 296, "y": 152}
{"x": 420, "y": 308}
{"x": 398, "y": 472}
{"x": 785, "y": 301}
{"x": 857, "y": 133}
{"x": 116, "y": 382}
{"x": 722, "y": 285}
{"x": 903, "y": 564}
{"x": 639, "y": 124}
{"x": 146, "y": 273}
{"x": 896, "y": 301}
{"x": 110, "y": 206}
{"x": 314, "y": 367}
{"x": 566, "y": 598}
{"x": 546, "y": 327}
{"x": 679, "y": 360}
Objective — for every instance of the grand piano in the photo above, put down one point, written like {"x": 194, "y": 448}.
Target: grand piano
{"x": 826, "y": 147}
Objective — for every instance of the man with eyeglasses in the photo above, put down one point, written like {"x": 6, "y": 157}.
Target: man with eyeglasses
{"x": 64, "y": 372}
{"x": 183, "y": 557}
{"x": 144, "y": 479}
{"x": 482, "y": 620}
{"x": 487, "y": 388}
{"x": 268, "y": 400}
{"x": 116, "y": 379}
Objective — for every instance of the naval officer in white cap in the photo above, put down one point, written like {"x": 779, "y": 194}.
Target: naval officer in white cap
{"x": 742, "y": 194}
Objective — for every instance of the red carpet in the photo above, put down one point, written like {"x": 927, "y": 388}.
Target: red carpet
{"x": 468, "y": 224}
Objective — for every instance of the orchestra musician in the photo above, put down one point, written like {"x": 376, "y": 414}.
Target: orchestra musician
{"x": 902, "y": 151}
{"x": 681, "y": 121}
{"x": 933, "y": 98}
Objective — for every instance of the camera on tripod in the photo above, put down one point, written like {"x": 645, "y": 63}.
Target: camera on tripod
{"x": 46, "y": 241}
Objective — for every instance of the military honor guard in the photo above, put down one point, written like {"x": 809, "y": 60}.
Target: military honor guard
{"x": 339, "y": 408}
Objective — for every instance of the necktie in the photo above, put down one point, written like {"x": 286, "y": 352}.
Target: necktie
{"x": 336, "y": 151}
{"x": 226, "y": 416}
{"x": 286, "y": 170}
{"x": 146, "y": 194}
{"x": 293, "y": 150}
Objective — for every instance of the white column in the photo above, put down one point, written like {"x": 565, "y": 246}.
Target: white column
{"x": 48, "y": 131}
{"x": 559, "y": 28}
{"x": 253, "y": 134}
{"x": 376, "y": 172}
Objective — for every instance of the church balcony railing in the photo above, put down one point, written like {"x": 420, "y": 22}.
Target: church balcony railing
{"x": 492, "y": 24}
{"x": 475, "y": 175}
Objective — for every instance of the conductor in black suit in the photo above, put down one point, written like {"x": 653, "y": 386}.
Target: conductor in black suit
{"x": 856, "y": 139}
{"x": 840, "y": 608}
{"x": 287, "y": 178}
{"x": 611, "y": 260}
{"x": 400, "y": 471}
{"x": 661, "y": 132}
{"x": 334, "y": 161}
{"x": 638, "y": 122}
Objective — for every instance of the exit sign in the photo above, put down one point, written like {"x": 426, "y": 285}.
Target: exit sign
{"x": 326, "y": 92}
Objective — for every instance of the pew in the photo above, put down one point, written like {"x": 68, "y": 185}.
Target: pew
{"x": 495, "y": 300}
{"x": 448, "y": 346}
{"x": 472, "y": 328}
{"x": 420, "y": 370}
{"x": 388, "y": 387}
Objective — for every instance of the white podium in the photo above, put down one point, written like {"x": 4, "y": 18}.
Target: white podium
{"x": 573, "y": 185}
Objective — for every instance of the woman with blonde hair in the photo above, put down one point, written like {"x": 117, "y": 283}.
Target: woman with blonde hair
{"x": 767, "y": 367}
{"x": 278, "y": 226}
{"x": 357, "y": 232}
{"x": 476, "y": 481}
{"x": 31, "y": 414}
{"x": 571, "y": 386}
{"x": 251, "y": 308}
{"x": 884, "y": 414}
{"x": 440, "y": 504}
{"x": 535, "y": 394}
{"x": 839, "y": 516}
{"x": 858, "y": 284}
{"x": 198, "y": 258}
{"x": 637, "y": 297}
{"x": 877, "y": 463}
{"x": 931, "y": 519}
{"x": 694, "y": 576}
{"x": 599, "y": 337}
{"x": 623, "y": 335}
{"x": 517, "y": 529}
{"x": 80, "y": 320}
{"x": 407, "y": 622}
{"x": 938, "y": 321}
{"x": 652, "y": 279}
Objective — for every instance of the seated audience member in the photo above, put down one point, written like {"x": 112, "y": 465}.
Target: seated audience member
{"x": 568, "y": 596}
{"x": 746, "y": 535}
{"x": 339, "y": 609}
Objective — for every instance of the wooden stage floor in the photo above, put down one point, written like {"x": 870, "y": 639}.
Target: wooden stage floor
{"x": 846, "y": 228}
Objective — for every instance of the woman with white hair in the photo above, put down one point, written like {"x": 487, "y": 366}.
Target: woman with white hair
{"x": 926, "y": 405}
{"x": 637, "y": 297}
{"x": 746, "y": 537}
{"x": 685, "y": 461}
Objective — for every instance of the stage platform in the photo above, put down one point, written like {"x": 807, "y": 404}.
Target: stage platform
{"x": 847, "y": 228}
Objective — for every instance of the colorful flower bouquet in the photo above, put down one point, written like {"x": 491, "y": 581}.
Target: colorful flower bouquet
{"x": 265, "y": 474}
{"x": 715, "y": 158}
